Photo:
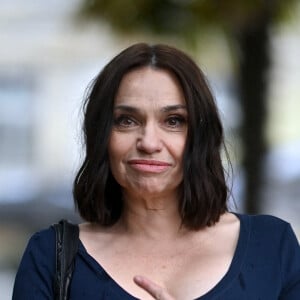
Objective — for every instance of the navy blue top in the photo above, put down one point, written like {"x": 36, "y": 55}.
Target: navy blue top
{"x": 265, "y": 266}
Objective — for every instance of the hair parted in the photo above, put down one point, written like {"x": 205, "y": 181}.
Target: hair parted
{"x": 203, "y": 198}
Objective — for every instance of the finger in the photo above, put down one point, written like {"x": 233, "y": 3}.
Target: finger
{"x": 156, "y": 291}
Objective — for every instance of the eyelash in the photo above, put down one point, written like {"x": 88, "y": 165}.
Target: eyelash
{"x": 180, "y": 121}
{"x": 119, "y": 121}
{"x": 127, "y": 122}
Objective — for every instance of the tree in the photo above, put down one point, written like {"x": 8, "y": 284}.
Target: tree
{"x": 247, "y": 26}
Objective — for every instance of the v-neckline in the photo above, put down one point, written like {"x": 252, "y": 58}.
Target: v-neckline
{"x": 232, "y": 272}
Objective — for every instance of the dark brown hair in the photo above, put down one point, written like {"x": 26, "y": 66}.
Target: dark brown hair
{"x": 98, "y": 196}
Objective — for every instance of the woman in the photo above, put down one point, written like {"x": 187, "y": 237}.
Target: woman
{"x": 153, "y": 194}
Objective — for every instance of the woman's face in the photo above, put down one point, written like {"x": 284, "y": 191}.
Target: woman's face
{"x": 149, "y": 133}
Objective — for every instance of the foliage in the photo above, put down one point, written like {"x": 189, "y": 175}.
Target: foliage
{"x": 183, "y": 18}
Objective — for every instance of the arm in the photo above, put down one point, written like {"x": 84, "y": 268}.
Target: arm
{"x": 35, "y": 273}
{"x": 290, "y": 266}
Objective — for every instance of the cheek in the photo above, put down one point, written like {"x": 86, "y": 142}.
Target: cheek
{"x": 118, "y": 148}
{"x": 114, "y": 156}
{"x": 177, "y": 147}
{"x": 113, "y": 149}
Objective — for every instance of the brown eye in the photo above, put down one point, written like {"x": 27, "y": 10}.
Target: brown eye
{"x": 175, "y": 122}
{"x": 125, "y": 121}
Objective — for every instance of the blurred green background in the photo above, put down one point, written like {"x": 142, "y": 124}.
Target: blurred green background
{"x": 50, "y": 51}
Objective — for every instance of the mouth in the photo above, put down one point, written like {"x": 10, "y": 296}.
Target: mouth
{"x": 150, "y": 166}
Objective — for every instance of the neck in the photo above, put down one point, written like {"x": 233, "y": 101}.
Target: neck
{"x": 151, "y": 217}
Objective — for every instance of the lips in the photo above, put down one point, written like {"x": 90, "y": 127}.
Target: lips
{"x": 151, "y": 166}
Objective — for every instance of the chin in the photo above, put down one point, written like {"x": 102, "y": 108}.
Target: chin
{"x": 155, "y": 191}
{"x": 152, "y": 188}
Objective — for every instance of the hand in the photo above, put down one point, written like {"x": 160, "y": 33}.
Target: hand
{"x": 156, "y": 291}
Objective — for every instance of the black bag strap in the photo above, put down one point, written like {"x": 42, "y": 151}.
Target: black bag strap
{"x": 67, "y": 238}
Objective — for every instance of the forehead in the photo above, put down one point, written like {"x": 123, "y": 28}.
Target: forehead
{"x": 150, "y": 84}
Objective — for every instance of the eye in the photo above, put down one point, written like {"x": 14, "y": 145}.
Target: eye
{"x": 124, "y": 121}
{"x": 175, "y": 122}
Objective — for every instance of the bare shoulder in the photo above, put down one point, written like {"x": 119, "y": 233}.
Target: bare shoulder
{"x": 221, "y": 238}
{"x": 94, "y": 236}
{"x": 227, "y": 230}
{"x": 229, "y": 218}
{"x": 229, "y": 223}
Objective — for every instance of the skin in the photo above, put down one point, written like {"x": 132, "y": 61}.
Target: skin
{"x": 148, "y": 137}
{"x": 156, "y": 291}
{"x": 146, "y": 251}
{"x": 146, "y": 132}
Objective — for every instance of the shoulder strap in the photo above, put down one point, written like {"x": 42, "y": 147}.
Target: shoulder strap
{"x": 67, "y": 238}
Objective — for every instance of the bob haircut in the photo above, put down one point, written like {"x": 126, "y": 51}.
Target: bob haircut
{"x": 203, "y": 191}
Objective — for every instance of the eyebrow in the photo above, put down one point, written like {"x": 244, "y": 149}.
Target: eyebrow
{"x": 173, "y": 107}
{"x": 167, "y": 108}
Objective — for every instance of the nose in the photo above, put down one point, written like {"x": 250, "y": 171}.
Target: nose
{"x": 149, "y": 140}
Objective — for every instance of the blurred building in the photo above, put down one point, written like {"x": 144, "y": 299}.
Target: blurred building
{"x": 47, "y": 60}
